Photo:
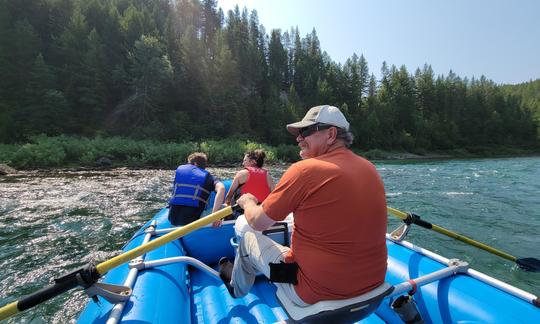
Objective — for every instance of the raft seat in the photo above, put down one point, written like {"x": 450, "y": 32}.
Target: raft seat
{"x": 335, "y": 311}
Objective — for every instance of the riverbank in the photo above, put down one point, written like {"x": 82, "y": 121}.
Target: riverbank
{"x": 64, "y": 152}
{"x": 471, "y": 153}
{"x": 388, "y": 157}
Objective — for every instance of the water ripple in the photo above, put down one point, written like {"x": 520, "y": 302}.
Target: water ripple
{"x": 53, "y": 222}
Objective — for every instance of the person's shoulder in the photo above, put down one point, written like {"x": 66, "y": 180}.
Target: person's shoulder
{"x": 359, "y": 158}
{"x": 299, "y": 164}
{"x": 210, "y": 178}
{"x": 348, "y": 154}
{"x": 242, "y": 173}
{"x": 304, "y": 165}
{"x": 360, "y": 163}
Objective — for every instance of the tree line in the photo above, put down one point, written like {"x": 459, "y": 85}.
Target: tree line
{"x": 528, "y": 93}
{"x": 184, "y": 71}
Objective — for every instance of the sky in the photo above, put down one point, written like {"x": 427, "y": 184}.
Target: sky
{"x": 495, "y": 38}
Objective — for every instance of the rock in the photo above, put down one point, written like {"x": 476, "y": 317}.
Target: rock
{"x": 103, "y": 162}
{"x": 5, "y": 169}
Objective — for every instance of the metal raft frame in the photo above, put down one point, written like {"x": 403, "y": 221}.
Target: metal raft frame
{"x": 116, "y": 312}
{"x": 454, "y": 266}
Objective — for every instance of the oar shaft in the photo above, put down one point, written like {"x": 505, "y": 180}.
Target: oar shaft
{"x": 397, "y": 213}
{"x": 90, "y": 274}
{"x": 451, "y": 234}
{"x": 470, "y": 241}
{"x": 105, "y": 266}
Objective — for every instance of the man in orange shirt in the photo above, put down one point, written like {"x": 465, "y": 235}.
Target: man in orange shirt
{"x": 338, "y": 248}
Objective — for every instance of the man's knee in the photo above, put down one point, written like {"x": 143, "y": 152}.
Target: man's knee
{"x": 247, "y": 240}
{"x": 249, "y": 236}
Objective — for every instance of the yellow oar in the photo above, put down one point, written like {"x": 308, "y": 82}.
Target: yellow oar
{"x": 89, "y": 274}
{"x": 528, "y": 264}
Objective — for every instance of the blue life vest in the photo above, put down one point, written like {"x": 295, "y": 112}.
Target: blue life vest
{"x": 188, "y": 187}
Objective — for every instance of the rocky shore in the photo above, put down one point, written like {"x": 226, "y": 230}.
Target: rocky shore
{"x": 5, "y": 169}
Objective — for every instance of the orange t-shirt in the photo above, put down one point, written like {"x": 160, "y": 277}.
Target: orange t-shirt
{"x": 339, "y": 237}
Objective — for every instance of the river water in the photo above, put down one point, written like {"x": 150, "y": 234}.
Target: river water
{"x": 53, "y": 222}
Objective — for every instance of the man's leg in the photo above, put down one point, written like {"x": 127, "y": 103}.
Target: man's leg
{"x": 255, "y": 252}
{"x": 182, "y": 215}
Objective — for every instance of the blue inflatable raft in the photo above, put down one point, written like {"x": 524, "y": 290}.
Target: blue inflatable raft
{"x": 177, "y": 283}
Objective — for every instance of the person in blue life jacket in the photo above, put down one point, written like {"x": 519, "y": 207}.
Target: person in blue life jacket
{"x": 191, "y": 189}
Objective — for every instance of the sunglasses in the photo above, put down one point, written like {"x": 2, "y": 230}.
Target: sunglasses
{"x": 310, "y": 130}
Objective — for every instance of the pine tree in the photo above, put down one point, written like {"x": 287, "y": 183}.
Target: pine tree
{"x": 277, "y": 61}
{"x": 44, "y": 108}
{"x": 150, "y": 75}
{"x": 91, "y": 89}
{"x": 21, "y": 48}
{"x": 178, "y": 70}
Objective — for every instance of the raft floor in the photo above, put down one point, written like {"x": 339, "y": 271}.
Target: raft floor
{"x": 211, "y": 302}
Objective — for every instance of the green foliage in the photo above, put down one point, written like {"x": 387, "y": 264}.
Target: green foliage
{"x": 7, "y": 152}
{"x": 44, "y": 152}
{"x": 167, "y": 155}
{"x": 528, "y": 95}
{"x": 287, "y": 153}
{"x": 64, "y": 151}
{"x": 232, "y": 151}
{"x": 375, "y": 154}
{"x": 221, "y": 152}
{"x": 177, "y": 71}
{"x": 271, "y": 153}
{"x": 75, "y": 149}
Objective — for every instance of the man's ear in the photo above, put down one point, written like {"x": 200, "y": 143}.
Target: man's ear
{"x": 332, "y": 135}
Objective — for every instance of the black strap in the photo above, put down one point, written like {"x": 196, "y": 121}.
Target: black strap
{"x": 284, "y": 272}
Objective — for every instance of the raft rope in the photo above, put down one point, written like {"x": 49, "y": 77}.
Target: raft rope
{"x": 414, "y": 287}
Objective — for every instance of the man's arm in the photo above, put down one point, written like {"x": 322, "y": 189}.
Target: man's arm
{"x": 220, "y": 193}
{"x": 218, "y": 200}
{"x": 270, "y": 182}
{"x": 255, "y": 215}
{"x": 235, "y": 184}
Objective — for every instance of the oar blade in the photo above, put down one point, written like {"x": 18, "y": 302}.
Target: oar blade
{"x": 529, "y": 264}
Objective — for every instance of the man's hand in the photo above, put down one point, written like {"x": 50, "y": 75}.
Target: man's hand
{"x": 247, "y": 200}
{"x": 254, "y": 213}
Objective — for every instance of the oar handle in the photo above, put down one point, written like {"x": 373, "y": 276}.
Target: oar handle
{"x": 89, "y": 274}
{"x": 84, "y": 276}
{"x": 415, "y": 219}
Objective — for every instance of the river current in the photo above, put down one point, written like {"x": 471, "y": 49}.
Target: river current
{"x": 53, "y": 222}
